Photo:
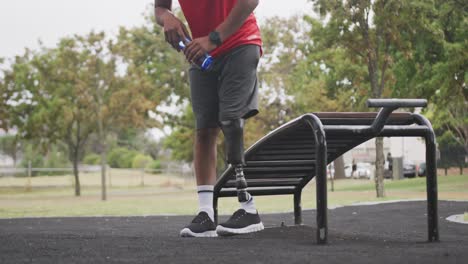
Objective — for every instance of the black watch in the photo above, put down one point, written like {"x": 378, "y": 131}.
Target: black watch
{"x": 215, "y": 38}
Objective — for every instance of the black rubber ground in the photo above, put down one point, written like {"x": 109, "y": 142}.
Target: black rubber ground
{"x": 386, "y": 233}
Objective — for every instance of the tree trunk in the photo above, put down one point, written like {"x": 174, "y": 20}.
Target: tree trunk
{"x": 339, "y": 168}
{"x": 372, "y": 66}
{"x": 446, "y": 169}
{"x": 103, "y": 174}
{"x": 102, "y": 142}
{"x": 379, "y": 167}
{"x": 77, "y": 178}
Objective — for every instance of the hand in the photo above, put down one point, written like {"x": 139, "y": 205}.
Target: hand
{"x": 197, "y": 48}
{"x": 174, "y": 30}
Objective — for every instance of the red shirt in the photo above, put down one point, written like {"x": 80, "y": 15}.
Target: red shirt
{"x": 203, "y": 16}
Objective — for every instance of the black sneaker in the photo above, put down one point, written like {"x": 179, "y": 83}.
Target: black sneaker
{"x": 201, "y": 226}
{"x": 240, "y": 222}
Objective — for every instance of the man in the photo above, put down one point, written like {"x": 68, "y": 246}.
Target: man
{"x": 390, "y": 161}
{"x": 353, "y": 168}
{"x": 222, "y": 98}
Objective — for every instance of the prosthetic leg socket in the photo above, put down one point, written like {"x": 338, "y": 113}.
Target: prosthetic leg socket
{"x": 233, "y": 131}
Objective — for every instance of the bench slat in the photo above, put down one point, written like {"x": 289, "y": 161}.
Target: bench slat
{"x": 281, "y": 157}
{"x": 265, "y": 182}
{"x": 279, "y": 163}
{"x": 275, "y": 175}
{"x": 277, "y": 169}
{"x": 260, "y": 192}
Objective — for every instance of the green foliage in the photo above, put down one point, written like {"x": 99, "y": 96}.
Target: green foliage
{"x": 180, "y": 141}
{"x": 121, "y": 157}
{"x": 141, "y": 161}
{"x": 154, "y": 165}
{"x": 92, "y": 159}
{"x": 65, "y": 93}
{"x": 32, "y": 155}
{"x": 436, "y": 68}
{"x": 452, "y": 153}
{"x": 56, "y": 158}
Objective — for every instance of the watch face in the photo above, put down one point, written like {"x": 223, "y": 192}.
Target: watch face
{"x": 214, "y": 37}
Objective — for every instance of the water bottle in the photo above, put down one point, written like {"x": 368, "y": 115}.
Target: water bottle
{"x": 204, "y": 62}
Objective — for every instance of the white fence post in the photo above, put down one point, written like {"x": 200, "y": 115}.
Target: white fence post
{"x": 142, "y": 177}
{"x": 109, "y": 175}
{"x": 28, "y": 185}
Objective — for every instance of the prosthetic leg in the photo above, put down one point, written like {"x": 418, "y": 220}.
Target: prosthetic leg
{"x": 233, "y": 131}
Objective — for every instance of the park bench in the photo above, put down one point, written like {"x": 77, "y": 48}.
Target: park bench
{"x": 289, "y": 157}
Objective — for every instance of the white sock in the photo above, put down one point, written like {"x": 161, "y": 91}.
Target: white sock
{"x": 249, "y": 206}
{"x": 205, "y": 199}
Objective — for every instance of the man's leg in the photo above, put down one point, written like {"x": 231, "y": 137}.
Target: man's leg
{"x": 204, "y": 97}
{"x": 205, "y": 173}
{"x": 238, "y": 101}
{"x": 205, "y": 167}
{"x": 245, "y": 220}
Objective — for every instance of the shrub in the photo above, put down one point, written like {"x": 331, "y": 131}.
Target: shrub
{"x": 154, "y": 165}
{"x": 141, "y": 161}
{"x": 92, "y": 159}
{"x": 56, "y": 159}
{"x": 121, "y": 157}
{"x": 127, "y": 159}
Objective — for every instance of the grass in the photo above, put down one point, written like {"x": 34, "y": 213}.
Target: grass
{"x": 457, "y": 183}
{"x": 165, "y": 194}
{"x": 465, "y": 217}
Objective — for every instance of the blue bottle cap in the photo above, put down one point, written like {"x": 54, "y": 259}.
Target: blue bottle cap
{"x": 206, "y": 64}
{"x": 181, "y": 45}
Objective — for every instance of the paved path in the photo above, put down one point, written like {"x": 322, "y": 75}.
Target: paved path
{"x": 385, "y": 233}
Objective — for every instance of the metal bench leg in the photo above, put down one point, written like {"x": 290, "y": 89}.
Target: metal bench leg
{"x": 431, "y": 180}
{"x": 297, "y": 208}
{"x": 215, "y": 209}
{"x": 321, "y": 181}
{"x": 322, "y": 225}
{"x": 431, "y": 185}
{"x": 320, "y": 176}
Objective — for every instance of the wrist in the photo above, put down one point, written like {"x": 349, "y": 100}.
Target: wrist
{"x": 215, "y": 38}
{"x": 162, "y": 14}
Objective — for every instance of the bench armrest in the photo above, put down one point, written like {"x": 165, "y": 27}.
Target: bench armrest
{"x": 387, "y": 107}
{"x": 396, "y": 103}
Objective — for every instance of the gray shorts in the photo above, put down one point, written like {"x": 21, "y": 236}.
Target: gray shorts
{"x": 229, "y": 90}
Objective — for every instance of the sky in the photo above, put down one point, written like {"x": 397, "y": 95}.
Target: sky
{"x": 24, "y": 22}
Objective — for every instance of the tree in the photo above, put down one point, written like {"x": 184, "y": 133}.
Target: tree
{"x": 63, "y": 112}
{"x": 369, "y": 33}
{"x": 436, "y": 67}
{"x": 452, "y": 153}
{"x": 69, "y": 92}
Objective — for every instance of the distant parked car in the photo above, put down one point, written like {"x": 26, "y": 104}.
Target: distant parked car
{"x": 422, "y": 170}
{"x": 409, "y": 169}
{"x": 363, "y": 170}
